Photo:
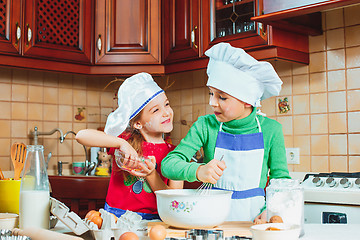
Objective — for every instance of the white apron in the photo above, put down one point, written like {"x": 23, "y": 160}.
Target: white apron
{"x": 244, "y": 156}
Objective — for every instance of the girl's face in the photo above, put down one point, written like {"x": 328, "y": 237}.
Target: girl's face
{"x": 226, "y": 107}
{"x": 156, "y": 117}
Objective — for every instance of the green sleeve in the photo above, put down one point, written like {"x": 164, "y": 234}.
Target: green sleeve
{"x": 277, "y": 162}
{"x": 176, "y": 165}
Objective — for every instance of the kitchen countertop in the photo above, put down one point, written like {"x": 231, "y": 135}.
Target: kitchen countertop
{"x": 312, "y": 231}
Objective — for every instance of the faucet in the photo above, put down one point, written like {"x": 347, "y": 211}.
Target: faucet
{"x": 89, "y": 166}
{"x": 36, "y": 133}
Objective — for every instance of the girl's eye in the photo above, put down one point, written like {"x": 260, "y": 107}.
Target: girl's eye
{"x": 155, "y": 110}
{"x": 167, "y": 104}
{"x": 222, "y": 98}
{"x": 211, "y": 94}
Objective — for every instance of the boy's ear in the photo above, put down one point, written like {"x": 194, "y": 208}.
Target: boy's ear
{"x": 248, "y": 105}
{"x": 138, "y": 125}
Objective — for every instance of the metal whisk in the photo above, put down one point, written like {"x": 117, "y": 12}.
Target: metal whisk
{"x": 205, "y": 187}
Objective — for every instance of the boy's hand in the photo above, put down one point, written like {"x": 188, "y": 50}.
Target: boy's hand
{"x": 211, "y": 172}
{"x": 261, "y": 218}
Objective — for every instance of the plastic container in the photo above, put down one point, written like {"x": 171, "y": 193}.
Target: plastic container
{"x": 285, "y": 198}
{"x": 9, "y": 196}
{"x": 128, "y": 222}
{"x": 34, "y": 208}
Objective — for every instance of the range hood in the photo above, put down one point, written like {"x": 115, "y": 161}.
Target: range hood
{"x": 303, "y": 16}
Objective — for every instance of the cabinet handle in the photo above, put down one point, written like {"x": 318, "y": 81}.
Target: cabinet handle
{"x": 18, "y": 33}
{"x": 99, "y": 43}
{"x": 29, "y": 34}
{"x": 193, "y": 37}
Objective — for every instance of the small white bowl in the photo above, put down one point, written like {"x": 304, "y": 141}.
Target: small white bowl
{"x": 187, "y": 208}
{"x": 9, "y": 220}
{"x": 286, "y": 233}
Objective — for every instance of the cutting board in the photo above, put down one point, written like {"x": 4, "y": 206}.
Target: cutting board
{"x": 241, "y": 229}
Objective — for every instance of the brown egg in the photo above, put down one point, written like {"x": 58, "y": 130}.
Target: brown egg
{"x": 97, "y": 220}
{"x": 157, "y": 232}
{"x": 275, "y": 219}
{"x": 129, "y": 236}
{"x": 90, "y": 213}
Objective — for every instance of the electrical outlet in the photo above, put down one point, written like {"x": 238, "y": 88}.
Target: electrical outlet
{"x": 293, "y": 155}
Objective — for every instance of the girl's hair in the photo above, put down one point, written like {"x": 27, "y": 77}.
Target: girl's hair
{"x": 136, "y": 139}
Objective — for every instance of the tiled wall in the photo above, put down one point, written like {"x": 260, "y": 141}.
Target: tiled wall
{"x": 324, "y": 99}
{"x": 50, "y": 100}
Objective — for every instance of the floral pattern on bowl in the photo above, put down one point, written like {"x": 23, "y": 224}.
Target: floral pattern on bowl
{"x": 182, "y": 206}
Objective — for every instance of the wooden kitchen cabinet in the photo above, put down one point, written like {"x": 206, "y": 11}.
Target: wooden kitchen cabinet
{"x": 127, "y": 32}
{"x": 182, "y": 19}
{"x": 224, "y": 21}
{"x": 52, "y": 30}
{"x": 10, "y": 22}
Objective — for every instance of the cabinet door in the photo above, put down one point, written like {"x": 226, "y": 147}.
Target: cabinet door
{"x": 58, "y": 30}
{"x": 232, "y": 23}
{"x": 127, "y": 32}
{"x": 10, "y": 26}
{"x": 181, "y": 30}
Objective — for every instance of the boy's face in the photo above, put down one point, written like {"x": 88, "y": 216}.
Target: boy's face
{"x": 226, "y": 107}
{"x": 157, "y": 116}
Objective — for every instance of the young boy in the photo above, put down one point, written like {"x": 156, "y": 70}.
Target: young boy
{"x": 241, "y": 148}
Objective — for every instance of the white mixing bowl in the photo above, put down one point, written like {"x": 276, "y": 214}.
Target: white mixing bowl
{"x": 186, "y": 208}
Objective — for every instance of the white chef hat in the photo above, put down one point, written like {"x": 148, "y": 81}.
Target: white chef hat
{"x": 133, "y": 95}
{"x": 236, "y": 73}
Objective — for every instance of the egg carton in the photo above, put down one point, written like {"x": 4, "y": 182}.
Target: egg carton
{"x": 128, "y": 222}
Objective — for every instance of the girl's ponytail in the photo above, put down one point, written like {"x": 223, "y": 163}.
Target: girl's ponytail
{"x": 136, "y": 139}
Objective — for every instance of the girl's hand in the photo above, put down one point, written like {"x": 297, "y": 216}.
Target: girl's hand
{"x": 261, "y": 218}
{"x": 128, "y": 150}
{"x": 145, "y": 168}
{"x": 211, "y": 172}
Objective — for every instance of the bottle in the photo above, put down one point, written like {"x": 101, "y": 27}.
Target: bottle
{"x": 34, "y": 208}
{"x": 285, "y": 198}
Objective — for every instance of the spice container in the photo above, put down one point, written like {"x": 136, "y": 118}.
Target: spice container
{"x": 285, "y": 198}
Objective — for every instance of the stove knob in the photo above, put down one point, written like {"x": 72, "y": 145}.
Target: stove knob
{"x": 345, "y": 183}
{"x": 357, "y": 182}
{"x": 331, "y": 182}
{"x": 317, "y": 181}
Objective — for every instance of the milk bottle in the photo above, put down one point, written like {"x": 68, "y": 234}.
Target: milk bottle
{"x": 34, "y": 209}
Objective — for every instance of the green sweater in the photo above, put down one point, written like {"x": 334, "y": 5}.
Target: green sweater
{"x": 177, "y": 166}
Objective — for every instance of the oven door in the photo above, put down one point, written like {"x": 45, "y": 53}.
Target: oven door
{"x": 331, "y": 213}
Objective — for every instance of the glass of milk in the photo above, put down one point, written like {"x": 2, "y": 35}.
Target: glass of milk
{"x": 34, "y": 209}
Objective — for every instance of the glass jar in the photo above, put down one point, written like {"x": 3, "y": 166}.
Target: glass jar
{"x": 34, "y": 208}
{"x": 285, "y": 198}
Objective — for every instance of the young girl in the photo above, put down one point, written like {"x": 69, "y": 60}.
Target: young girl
{"x": 240, "y": 147}
{"x": 145, "y": 115}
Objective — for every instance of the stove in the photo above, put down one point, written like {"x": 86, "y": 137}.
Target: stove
{"x": 332, "y": 198}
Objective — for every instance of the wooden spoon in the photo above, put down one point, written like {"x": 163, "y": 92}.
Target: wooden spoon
{"x": 18, "y": 154}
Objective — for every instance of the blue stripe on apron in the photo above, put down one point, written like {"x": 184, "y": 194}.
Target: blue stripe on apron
{"x": 118, "y": 212}
{"x": 240, "y": 142}
{"x": 245, "y": 193}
